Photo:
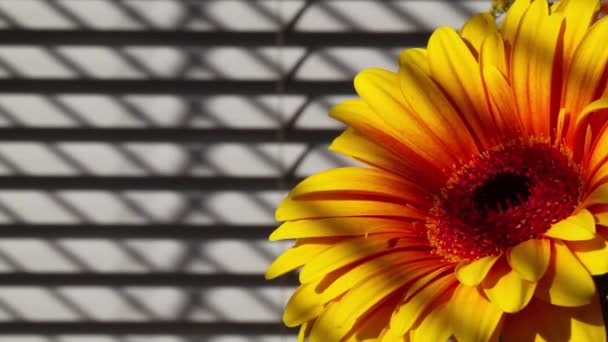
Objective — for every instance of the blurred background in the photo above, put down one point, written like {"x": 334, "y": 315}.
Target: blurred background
{"x": 144, "y": 145}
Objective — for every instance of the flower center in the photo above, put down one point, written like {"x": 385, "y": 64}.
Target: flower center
{"x": 501, "y": 191}
{"x": 504, "y": 196}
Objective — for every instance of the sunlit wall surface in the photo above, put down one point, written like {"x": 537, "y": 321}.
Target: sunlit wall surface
{"x": 145, "y": 144}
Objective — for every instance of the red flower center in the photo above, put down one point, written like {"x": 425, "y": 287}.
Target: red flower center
{"x": 504, "y": 196}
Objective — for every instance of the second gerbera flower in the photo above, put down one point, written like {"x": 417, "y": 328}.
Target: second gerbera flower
{"x": 486, "y": 197}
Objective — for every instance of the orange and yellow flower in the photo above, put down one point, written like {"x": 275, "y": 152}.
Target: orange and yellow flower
{"x": 483, "y": 209}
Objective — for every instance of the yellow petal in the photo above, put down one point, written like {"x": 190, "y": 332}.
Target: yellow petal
{"x": 324, "y": 329}
{"x": 436, "y": 323}
{"x": 593, "y": 254}
{"x": 530, "y": 258}
{"x": 466, "y": 303}
{"x": 597, "y": 158}
{"x": 381, "y": 91}
{"x": 451, "y": 315}
{"x": 502, "y": 102}
{"x": 370, "y": 151}
{"x": 370, "y": 326}
{"x": 543, "y": 76}
{"x": 513, "y": 18}
{"x": 291, "y": 209}
{"x": 493, "y": 53}
{"x": 344, "y": 253}
{"x": 507, "y": 289}
{"x": 577, "y": 227}
{"x": 473, "y": 272}
{"x": 374, "y": 290}
{"x": 456, "y": 70}
{"x": 597, "y": 196}
{"x": 588, "y": 323}
{"x": 418, "y": 284}
{"x": 566, "y": 282}
{"x": 579, "y": 15}
{"x": 415, "y": 56}
{"x": 390, "y": 123}
{"x": 388, "y": 335}
{"x": 340, "y": 226}
{"x": 532, "y": 67}
{"x": 347, "y": 279}
{"x": 588, "y": 64}
{"x": 304, "y": 331}
{"x": 410, "y": 310}
{"x": 476, "y": 29}
{"x": 600, "y": 212}
{"x": 435, "y": 111}
{"x": 563, "y": 120}
{"x": 544, "y": 322}
{"x": 362, "y": 181}
{"x": 296, "y": 256}
{"x": 596, "y": 112}
{"x": 304, "y": 305}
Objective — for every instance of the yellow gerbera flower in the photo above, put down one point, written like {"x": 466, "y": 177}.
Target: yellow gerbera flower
{"x": 483, "y": 211}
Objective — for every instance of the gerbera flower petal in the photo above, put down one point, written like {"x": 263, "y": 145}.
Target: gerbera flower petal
{"x": 598, "y": 195}
{"x": 372, "y": 291}
{"x": 587, "y": 68}
{"x": 555, "y": 324}
{"x": 476, "y": 29}
{"x": 493, "y": 53}
{"x": 600, "y": 212}
{"x": 345, "y": 279}
{"x": 566, "y": 282}
{"x": 415, "y": 56}
{"x": 532, "y": 67}
{"x": 409, "y": 311}
{"x": 593, "y": 254}
{"x": 363, "y": 181}
{"x": 361, "y": 116}
{"x": 436, "y": 325}
{"x": 530, "y": 258}
{"x": 596, "y": 112}
{"x": 389, "y": 336}
{"x": 302, "y": 251}
{"x": 578, "y": 15}
{"x": 473, "y": 272}
{"x": 452, "y": 317}
{"x": 349, "y": 251}
{"x": 303, "y": 305}
{"x": 512, "y": 21}
{"x": 507, "y": 289}
{"x": 291, "y": 209}
{"x": 368, "y": 329}
{"x": 502, "y": 101}
{"x": 360, "y": 147}
{"x": 324, "y": 329}
{"x": 577, "y": 227}
{"x": 456, "y": 70}
{"x": 435, "y": 111}
{"x": 382, "y": 92}
{"x": 596, "y": 158}
{"x": 304, "y": 331}
{"x": 341, "y": 226}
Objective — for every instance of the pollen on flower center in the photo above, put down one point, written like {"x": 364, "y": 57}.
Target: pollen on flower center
{"x": 504, "y": 196}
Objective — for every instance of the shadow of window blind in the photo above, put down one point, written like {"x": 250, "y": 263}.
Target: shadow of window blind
{"x": 145, "y": 144}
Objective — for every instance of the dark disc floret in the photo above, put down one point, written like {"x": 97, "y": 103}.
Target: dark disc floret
{"x": 504, "y": 196}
